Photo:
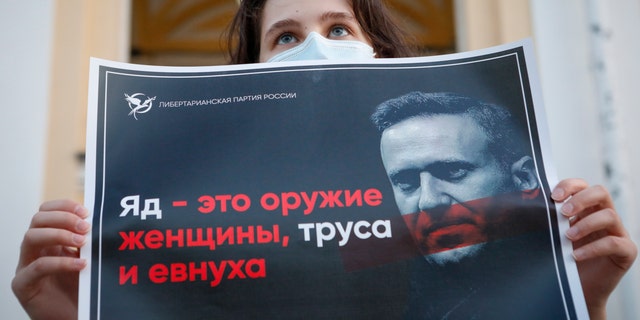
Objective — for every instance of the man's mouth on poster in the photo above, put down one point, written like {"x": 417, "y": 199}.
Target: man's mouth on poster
{"x": 446, "y": 228}
{"x": 452, "y": 237}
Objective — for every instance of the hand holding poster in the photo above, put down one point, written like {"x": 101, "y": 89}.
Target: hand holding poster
{"x": 397, "y": 188}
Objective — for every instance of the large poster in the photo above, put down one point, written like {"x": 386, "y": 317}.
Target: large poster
{"x": 387, "y": 189}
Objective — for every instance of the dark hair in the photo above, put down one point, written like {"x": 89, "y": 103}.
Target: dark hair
{"x": 387, "y": 38}
{"x": 505, "y": 140}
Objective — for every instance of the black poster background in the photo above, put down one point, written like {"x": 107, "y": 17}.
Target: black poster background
{"x": 321, "y": 140}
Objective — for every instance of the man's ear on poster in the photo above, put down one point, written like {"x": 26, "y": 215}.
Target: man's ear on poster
{"x": 523, "y": 174}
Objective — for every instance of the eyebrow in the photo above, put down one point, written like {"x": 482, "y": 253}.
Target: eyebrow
{"x": 432, "y": 167}
{"x": 282, "y": 24}
{"x": 407, "y": 172}
{"x": 337, "y": 15}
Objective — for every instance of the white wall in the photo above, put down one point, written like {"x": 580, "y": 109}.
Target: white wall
{"x": 588, "y": 62}
{"x": 25, "y": 38}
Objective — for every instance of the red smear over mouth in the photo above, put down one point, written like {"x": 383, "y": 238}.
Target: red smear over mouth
{"x": 452, "y": 227}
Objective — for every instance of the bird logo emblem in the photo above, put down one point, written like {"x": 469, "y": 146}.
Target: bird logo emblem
{"x": 137, "y": 104}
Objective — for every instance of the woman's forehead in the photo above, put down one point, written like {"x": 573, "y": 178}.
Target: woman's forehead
{"x": 277, "y": 10}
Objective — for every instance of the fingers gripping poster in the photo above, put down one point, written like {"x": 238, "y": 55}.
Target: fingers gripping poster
{"x": 386, "y": 189}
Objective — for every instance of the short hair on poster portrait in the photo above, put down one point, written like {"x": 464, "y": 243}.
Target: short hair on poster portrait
{"x": 507, "y": 141}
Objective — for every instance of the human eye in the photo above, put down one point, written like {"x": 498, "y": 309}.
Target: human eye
{"x": 451, "y": 171}
{"x": 286, "y": 38}
{"x": 407, "y": 181}
{"x": 339, "y": 31}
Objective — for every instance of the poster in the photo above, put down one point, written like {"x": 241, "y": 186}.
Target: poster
{"x": 267, "y": 191}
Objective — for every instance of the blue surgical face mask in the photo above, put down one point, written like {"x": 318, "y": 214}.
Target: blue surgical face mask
{"x": 316, "y": 46}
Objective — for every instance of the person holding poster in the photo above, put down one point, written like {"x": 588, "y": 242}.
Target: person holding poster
{"x": 46, "y": 277}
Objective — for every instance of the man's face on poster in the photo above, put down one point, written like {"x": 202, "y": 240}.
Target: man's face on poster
{"x": 436, "y": 165}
